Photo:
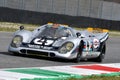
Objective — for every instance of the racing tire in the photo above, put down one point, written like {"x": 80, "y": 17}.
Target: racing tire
{"x": 78, "y": 58}
{"x": 102, "y": 54}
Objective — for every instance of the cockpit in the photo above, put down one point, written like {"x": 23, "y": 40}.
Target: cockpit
{"x": 55, "y": 31}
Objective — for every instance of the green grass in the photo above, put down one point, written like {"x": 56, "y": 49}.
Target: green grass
{"x": 12, "y": 27}
{"x": 99, "y": 78}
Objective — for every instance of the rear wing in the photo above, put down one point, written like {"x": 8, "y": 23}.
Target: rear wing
{"x": 97, "y": 30}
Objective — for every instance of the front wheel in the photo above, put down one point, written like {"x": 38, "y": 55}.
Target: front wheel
{"x": 78, "y": 58}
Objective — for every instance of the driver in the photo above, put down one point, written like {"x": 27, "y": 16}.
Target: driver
{"x": 60, "y": 31}
{"x": 55, "y": 31}
{"x": 55, "y": 25}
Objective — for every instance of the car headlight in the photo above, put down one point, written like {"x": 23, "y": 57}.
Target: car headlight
{"x": 16, "y": 42}
{"x": 67, "y": 47}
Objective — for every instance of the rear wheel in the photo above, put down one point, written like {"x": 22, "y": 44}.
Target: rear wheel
{"x": 102, "y": 54}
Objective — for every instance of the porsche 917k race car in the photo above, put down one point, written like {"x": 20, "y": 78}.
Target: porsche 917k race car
{"x": 61, "y": 41}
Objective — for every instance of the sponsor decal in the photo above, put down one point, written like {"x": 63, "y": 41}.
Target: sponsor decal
{"x": 38, "y": 46}
{"x": 34, "y": 46}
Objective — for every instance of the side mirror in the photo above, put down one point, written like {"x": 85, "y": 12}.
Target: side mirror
{"x": 78, "y": 34}
{"x": 21, "y": 27}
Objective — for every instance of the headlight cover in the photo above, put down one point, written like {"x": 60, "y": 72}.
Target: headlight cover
{"x": 16, "y": 42}
{"x": 67, "y": 47}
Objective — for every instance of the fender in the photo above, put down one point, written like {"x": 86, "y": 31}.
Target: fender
{"x": 25, "y": 34}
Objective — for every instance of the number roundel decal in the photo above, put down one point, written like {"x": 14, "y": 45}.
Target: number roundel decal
{"x": 38, "y": 41}
{"x": 96, "y": 43}
{"x": 41, "y": 41}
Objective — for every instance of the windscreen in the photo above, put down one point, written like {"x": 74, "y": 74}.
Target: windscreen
{"x": 51, "y": 32}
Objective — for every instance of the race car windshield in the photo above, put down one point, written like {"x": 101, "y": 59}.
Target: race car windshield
{"x": 51, "y": 32}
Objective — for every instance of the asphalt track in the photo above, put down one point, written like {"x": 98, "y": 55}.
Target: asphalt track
{"x": 8, "y": 60}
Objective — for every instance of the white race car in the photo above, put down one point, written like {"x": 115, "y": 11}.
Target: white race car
{"x": 61, "y": 41}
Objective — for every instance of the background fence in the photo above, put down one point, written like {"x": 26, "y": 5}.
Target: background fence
{"x": 78, "y": 13}
{"x": 89, "y": 8}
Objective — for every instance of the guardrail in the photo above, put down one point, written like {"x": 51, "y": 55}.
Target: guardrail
{"x": 22, "y": 16}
